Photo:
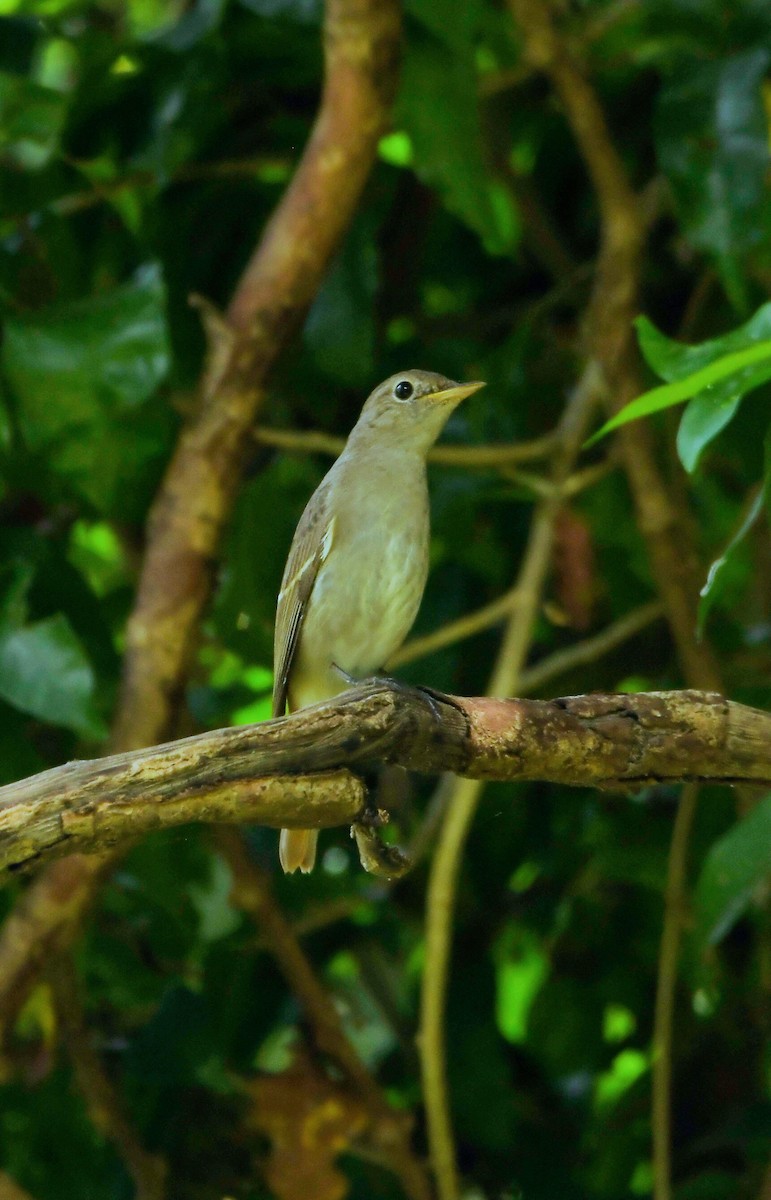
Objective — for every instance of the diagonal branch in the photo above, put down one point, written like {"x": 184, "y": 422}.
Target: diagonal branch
{"x": 195, "y": 498}
{"x": 300, "y": 770}
{"x": 481, "y": 458}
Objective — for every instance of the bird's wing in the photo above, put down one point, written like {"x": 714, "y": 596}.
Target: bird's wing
{"x": 311, "y": 545}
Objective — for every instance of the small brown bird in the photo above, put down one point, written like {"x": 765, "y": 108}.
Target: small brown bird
{"x": 357, "y": 566}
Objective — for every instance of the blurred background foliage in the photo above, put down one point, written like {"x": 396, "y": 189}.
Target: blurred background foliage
{"x": 143, "y": 146}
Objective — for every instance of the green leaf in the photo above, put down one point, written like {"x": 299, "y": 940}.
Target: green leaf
{"x": 672, "y": 360}
{"x": 44, "y": 671}
{"x": 708, "y": 413}
{"x": 31, "y": 121}
{"x": 718, "y": 373}
{"x": 736, "y": 864}
{"x": 340, "y": 328}
{"x": 80, "y": 374}
{"x": 704, "y": 418}
{"x": 712, "y": 144}
{"x": 438, "y": 110}
{"x": 521, "y": 970}
{"x": 721, "y": 568}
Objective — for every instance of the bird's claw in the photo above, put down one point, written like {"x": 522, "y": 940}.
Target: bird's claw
{"x": 387, "y": 862}
{"x": 345, "y": 675}
{"x": 433, "y": 697}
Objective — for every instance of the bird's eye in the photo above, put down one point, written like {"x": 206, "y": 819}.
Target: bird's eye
{"x": 403, "y": 389}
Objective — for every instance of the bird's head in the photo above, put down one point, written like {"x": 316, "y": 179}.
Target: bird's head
{"x": 411, "y": 408}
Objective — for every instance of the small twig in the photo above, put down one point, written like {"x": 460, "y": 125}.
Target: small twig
{"x": 456, "y": 631}
{"x": 596, "y": 26}
{"x": 480, "y": 458}
{"x": 590, "y": 649}
{"x": 443, "y": 879}
{"x": 674, "y": 913}
{"x": 103, "y": 1102}
{"x": 103, "y": 191}
{"x": 543, "y": 487}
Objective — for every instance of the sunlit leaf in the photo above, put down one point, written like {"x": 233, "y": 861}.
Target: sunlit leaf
{"x": 705, "y": 416}
{"x": 718, "y": 373}
{"x": 521, "y": 970}
{"x": 710, "y": 411}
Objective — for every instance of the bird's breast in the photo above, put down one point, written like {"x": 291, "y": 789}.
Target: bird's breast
{"x": 368, "y": 590}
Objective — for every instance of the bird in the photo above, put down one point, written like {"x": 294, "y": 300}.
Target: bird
{"x": 358, "y": 562}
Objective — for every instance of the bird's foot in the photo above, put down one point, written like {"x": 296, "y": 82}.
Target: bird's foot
{"x": 395, "y": 685}
{"x": 387, "y": 862}
{"x": 434, "y": 698}
{"x": 345, "y": 675}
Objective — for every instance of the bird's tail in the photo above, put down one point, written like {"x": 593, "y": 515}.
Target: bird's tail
{"x": 297, "y": 849}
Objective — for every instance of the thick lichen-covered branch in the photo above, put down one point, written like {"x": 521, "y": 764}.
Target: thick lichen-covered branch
{"x": 301, "y": 770}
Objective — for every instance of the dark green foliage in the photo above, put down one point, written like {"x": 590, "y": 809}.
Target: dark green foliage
{"x": 143, "y": 146}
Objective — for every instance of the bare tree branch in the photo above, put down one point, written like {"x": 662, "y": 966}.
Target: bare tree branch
{"x": 482, "y": 458}
{"x": 589, "y": 649}
{"x": 300, "y": 770}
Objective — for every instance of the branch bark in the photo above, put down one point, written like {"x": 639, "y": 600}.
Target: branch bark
{"x": 299, "y": 770}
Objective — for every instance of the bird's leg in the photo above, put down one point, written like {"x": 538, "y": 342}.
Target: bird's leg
{"x": 345, "y": 675}
{"x": 431, "y": 695}
{"x": 388, "y": 862}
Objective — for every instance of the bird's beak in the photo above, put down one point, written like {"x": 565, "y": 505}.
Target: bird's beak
{"x": 455, "y": 394}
